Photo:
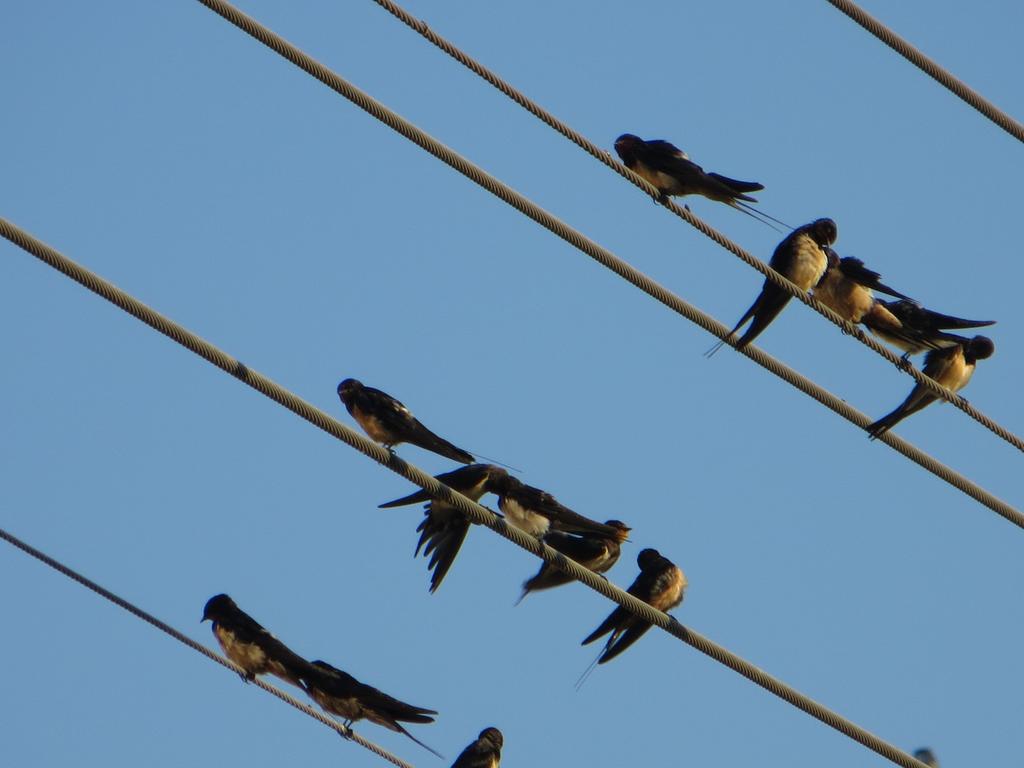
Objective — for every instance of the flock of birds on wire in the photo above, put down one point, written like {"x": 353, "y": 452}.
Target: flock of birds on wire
{"x": 804, "y": 256}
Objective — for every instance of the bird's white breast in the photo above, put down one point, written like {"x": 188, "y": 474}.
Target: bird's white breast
{"x": 525, "y": 519}
{"x": 809, "y": 262}
{"x": 249, "y": 656}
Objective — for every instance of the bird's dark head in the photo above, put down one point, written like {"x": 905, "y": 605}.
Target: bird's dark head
{"x": 347, "y": 389}
{"x": 648, "y": 558}
{"x": 492, "y": 735}
{"x": 979, "y": 348}
{"x": 499, "y": 481}
{"x": 927, "y": 757}
{"x": 216, "y": 607}
{"x": 823, "y": 231}
{"x": 626, "y": 146}
{"x": 622, "y": 530}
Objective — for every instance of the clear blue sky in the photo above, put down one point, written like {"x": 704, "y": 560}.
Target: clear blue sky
{"x": 161, "y": 147}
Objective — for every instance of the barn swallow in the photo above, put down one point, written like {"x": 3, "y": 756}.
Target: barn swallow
{"x": 341, "y": 694}
{"x": 669, "y": 169}
{"x": 444, "y": 528}
{"x": 847, "y": 285}
{"x": 673, "y": 174}
{"x": 249, "y": 645}
{"x": 598, "y": 553}
{"x": 485, "y": 752}
{"x": 951, "y": 367}
{"x": 802, "y": 258}
{"x": 389, "y": 423}
{"x": 660, "y": 585}
{"x": 913, "y": 328}
{"x": 536, "y": 512}
{"x": 927, "y": 757}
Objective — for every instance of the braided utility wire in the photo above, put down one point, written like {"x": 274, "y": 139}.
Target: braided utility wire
{"x": 682, "y": 212}
{"x": 945, "y": 78}
{"x": 475, "y": 512}
{"x": 58, "y": 566}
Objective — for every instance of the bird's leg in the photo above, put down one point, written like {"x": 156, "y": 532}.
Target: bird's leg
{"x": 904, "y": 363}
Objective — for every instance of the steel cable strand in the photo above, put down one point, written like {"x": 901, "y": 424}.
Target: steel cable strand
{"x": 777, "y": 279}
{"x": 930, "y": 67}
{"x": 348, "y": 733}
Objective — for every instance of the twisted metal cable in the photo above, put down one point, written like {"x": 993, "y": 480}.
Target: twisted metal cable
{"x": 944, "y": 77}
{"x": 58, "y": 566}
{"x": 476, "y": 512}
{"x": 680, "y": 211}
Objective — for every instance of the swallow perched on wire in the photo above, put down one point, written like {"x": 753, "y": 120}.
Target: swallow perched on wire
{"x": 249, "y": 645}
{"x": 341, "y": 694}
{"x": 485, "y": 752}
{"x": 914, "y": 329}
{"x": 802, "y": 257}
{"x": 847, "y": 285}
{"x": 673, "y": 174}
{"x": 660, "y": 584}
{"x": 927, "y": 757}
{"x": 536, "y": 512}
{"x": 596, "y": 552}
{"x": 444, "y": 528}
{"x": 951, "y": 367}
{"x": 389, "y": 423}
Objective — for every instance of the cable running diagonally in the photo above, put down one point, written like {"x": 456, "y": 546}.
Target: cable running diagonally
{"x": 683, "y": 213}
{"x": 475, "y": 512}
{"x": 182, "y": 638}
{"x": 943, "y": 76}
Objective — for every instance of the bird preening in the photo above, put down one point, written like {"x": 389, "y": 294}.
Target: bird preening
{"x": 802, "y": 258}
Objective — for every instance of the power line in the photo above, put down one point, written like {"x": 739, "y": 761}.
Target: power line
{"x": 680, "y": 211}
{"x": 944, "y": 77}
{"x": 348, "y": 733}
{"x": 475, "y": 512}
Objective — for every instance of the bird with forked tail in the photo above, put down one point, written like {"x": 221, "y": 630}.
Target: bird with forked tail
{"x": 914, "y": 329}
{"x": 444, "y": 528}
{"x": 341, "y": 694}
{"x": 952, "y": 367}
{"x": 388, "y": 422}
{"x": 661, "y": 584}
{"x": 802, "y": 258}
{"x": 249, "y": 645}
